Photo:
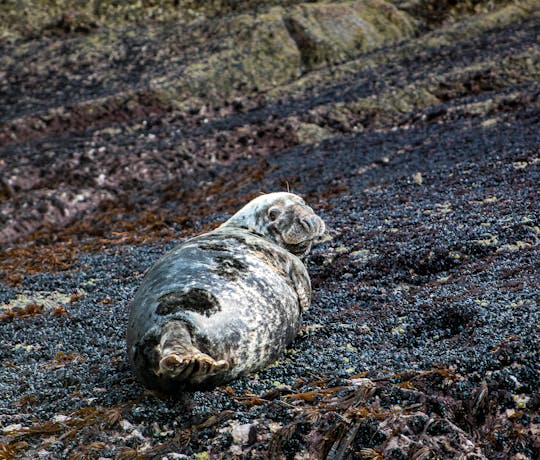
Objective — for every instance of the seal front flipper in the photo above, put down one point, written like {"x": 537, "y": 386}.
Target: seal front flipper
{"x": 180, "y": 360}
{"x": 301, "y": 282}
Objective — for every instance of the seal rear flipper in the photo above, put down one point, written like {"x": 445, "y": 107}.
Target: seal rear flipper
{"x": 180, "y": 360}
{"x": 194, "y": 368}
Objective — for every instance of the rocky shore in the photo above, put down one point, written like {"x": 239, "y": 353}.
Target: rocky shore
{"x": 412, "y": 127}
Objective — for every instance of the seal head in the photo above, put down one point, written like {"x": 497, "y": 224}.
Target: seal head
{"x": 283, "y": 218}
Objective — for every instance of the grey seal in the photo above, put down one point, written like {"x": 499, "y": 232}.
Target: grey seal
{"x": 225, "y": 303}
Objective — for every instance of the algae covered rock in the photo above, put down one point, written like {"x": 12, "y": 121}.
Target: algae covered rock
{"x": 216, "y": 8}
{"x": 258, "y": 55}
{"x": 331, "y": 32}
{"x": 38, "y": 18}
{"x": 274, "y": 47}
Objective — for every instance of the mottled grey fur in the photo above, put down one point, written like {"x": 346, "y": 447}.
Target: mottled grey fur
{"x": 227, "y": 302}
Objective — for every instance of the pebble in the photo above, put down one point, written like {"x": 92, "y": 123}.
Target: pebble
{"x": 245, "y": 434}
{"x": 126, "y": 426}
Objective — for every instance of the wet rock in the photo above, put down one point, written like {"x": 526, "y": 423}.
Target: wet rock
{"x": 311, "y": 132}
{"x": 244, "y": 434}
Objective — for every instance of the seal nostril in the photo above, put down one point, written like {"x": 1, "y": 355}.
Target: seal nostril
{"x": 308, "y": 223}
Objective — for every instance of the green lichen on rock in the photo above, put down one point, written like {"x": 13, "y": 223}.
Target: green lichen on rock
{"x": 280, "y": 43}
{"x": 332, "y": 32}
{"x": 308, "y": 133}
{"x": 393, "y": 103}
{"x": 433, "y": 13}
{"x": 214, "y": 8}
{"x": 264, "y": 57}
{"x": 34, "y": 18}
{"x": 202, "y": 59}
{"x": 476, "y": 24}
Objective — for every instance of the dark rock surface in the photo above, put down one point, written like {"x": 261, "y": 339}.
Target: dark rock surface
{"x": 417, "y": 138}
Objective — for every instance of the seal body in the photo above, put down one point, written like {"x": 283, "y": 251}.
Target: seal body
{"x": 227, "y": 302}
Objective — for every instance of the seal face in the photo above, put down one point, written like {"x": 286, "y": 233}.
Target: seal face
{"x": 227, "y": 302}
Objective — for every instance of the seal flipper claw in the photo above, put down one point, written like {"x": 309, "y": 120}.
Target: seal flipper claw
{"x": 208, "y": 367}
{"x": 181, "y": 360}
{"x": 196, "y": 367}
{"x": 173, "y": 366}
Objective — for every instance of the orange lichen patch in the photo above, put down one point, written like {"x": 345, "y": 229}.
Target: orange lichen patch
{"x": 124, "y": 222}
{"x": 76, "y": 296}
{"x": 61, "y": 359}
{"x": 310, "y": 396}
{"x": 182, "y": 438}
{"x": 36, "y": 257}
{"x": 70, "y": 425}
{"x": 10, "y": 451}
{"x": 58, "y": 311}
{"x": 31, "y": 309}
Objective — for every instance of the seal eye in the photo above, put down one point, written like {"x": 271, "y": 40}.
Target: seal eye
{"x": 273, "y": 213}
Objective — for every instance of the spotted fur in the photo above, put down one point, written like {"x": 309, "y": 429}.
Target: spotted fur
{"x": 227, "y": 302}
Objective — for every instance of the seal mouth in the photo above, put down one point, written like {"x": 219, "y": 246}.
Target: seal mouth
{"x": 299, "y": 249}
